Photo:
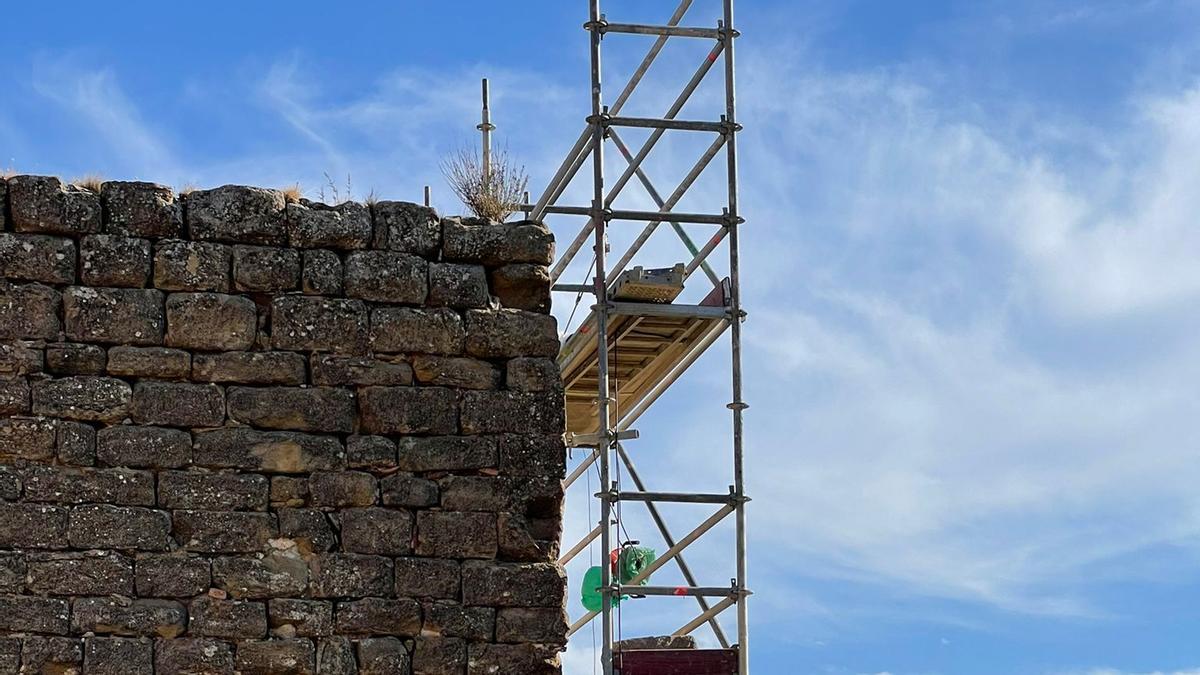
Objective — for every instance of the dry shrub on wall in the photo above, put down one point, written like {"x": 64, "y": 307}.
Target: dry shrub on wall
{"x": 493, "y": 194}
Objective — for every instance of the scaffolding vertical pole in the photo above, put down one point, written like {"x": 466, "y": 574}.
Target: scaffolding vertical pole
{"x": 595, "y": 28}
{"x": 737, "y": 405}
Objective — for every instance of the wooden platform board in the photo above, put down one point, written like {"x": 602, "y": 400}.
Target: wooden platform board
{"x": 643, "y": 349}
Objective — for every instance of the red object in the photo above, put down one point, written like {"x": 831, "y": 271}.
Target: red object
{"x": 676, "y": 662}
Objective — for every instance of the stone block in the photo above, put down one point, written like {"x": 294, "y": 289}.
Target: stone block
{"x": 45, "y": 204}
{"x": 524, "y": 494}
{"x": 211, "y": 321}
{"x": 202, "y": 491}
{"x": 191, "y": 266}
{"x": 193, "y": 656}
{"x": 498, "y": 412}
{"x": 457, "y": 285}
{"x": 522, "y": 286}
{"x": 408, "y": 490}
{"x": 345, "y": 226}
{"x": 277, "y": 657}
{"x": 30, "y": 311}
{"x": 76, "y": 444}
{"x": 273, "y": 576}
{"x": 379, "y": 616}
{"x": 137, "y": 209}
{"x": 362, "y": 371}
{"x": 385, "y": 276}
{"x": 383, "y": 656}
{"x": 250, "y": 367}
{"x": 26, "y": 438}
{"x": 532, "y": 374}
{"x": 496, "y": 584}
{"x": 373, "y": 453}
{"x": 343, "y": 575}
{"x": 119, "y": 527}
{"x": 456, "y": 534}
{"x": 113, "y": 260}
{"x": 231, "y": 619}
{"x": 433, "y": 655}
{"x": 408, "y": 410}
{"x": 95, "y": 399}
{"x": 81, "y": 573}
{"x": 309, "y": 528}
{"x": 427, "y": 578}
{"x": 306, "y": 618}
{"x": 271, "y": 452}
{"x": 118, "y": 656}
{"x": 236, "y": 213}
{"x": 10, "y": 486}
{"x": 525, "y": 539}
{"x": 24, "y": 526}
{"x": 527, "y": 659}
{"x": 508, "y": 333}
{"x": 417, "y": 331}
{"x": 451, "y": 619}
{"x": 460, "y": 372}
{"x": 289, "y": 491}
{"x": 171, "y": 576}
{"x": 114, "y": 315}
{"x": 496, "y": 244}
{"x": 407, "y": 227}
{"x": 69, "y": 358}
{"x": 293, "y": 408}
{"x": 224, "y": 531}
{"x": 14, "y": 397}
{"x": 446, "y": 453}
{"x": 64, "y": 485}
{"x": 342, "y": 489}
{"x": 24, "y": 614}
{"x": 335, "y": 656}
{"x": 265, "y": 268}
{"x": 143, "y": 447}
{"x": 41, "y": 654}
{"x": 122, "y": 616}
{"x": 318, "y": 324}
{"x": 177, "y": 404}
{"x": 321, "y": 273}
{"x": 156, "y": 362}
{"x": 18, "y": 359}
{"x": 376, "y": 531}
{"x": 37, "y": 257}
{"x": 547, "y": 625}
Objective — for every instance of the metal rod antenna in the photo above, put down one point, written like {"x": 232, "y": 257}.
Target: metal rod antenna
{"x": 737, "y": 405}
{"x": 486, "y": 128}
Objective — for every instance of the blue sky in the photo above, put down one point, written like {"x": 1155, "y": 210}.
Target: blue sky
{"x": 969, "y": 266}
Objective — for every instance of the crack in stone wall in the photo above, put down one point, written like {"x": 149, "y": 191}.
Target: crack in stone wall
{"x": 244, "y": 434}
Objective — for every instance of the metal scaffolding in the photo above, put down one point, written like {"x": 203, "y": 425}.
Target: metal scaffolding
{"x": 646, "y": 346}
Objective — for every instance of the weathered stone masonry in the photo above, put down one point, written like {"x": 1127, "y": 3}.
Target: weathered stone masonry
{"x": 239, "y": 434}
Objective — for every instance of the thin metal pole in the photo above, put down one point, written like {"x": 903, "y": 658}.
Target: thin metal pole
{"x": 486, "y": 127}
{"x": 737, "y": 405}
{"x": 670, "y": 541}
{"x": 428, "y": 196}
{"x": 579, "y": 152}
{"x": 579, "y": 546}
{"x": 600, "y": 289}
{"x": 709, "y": 615}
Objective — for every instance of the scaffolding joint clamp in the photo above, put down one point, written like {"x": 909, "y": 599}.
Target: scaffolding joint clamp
{"x": 600, "y": 26}
{"x": 603, "y": 119}
{"x": 728, "y": 128}
{"x": 737, "y": 405}
{"x": 729, "y": 220}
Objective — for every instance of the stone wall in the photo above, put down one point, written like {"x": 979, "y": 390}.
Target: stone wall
{"x": 242, "y": 434}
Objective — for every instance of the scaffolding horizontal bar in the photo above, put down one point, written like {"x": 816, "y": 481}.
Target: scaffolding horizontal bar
{"x": 671, "y": 31}
{"x": 675, "y": 497}
{"x": 646, "y": 216}
{"x": 662, "y": 123}
{"x": 681, "y": 591}
{"x": 572, "y": 288}
{"x": 652, "y": 309}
